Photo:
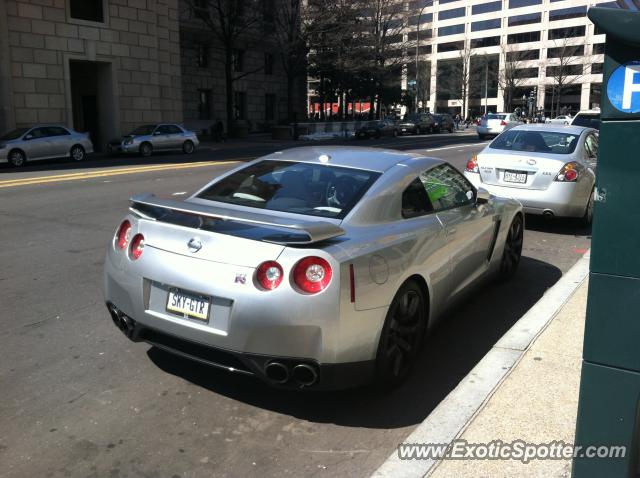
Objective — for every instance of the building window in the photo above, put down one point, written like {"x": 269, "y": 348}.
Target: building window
{"x": 598, "y": 48}
{"x": 239, "y": 105}
{"x": 596, "y": 68}
{"x": 565, "y": 70}
{"x": 485, "y": 42}
{"x": 268, "y": 64}
{"x": 486, "y": 24}
{"x": 486, "y": 7}
{"x": 204, "y": 104}
{"x": 424, "y": 34}
{"x": 451, "y": 30}
{"x": 202, "y": 55}
{"x": 526, "y": 73}
{"x": 524, "y": 37}
{"x": 268, "y": 11}
{"x": 524, "y": 55}
{"x": 524, "y": 19}
{"x": 420, "y": 19}
{"x": 238, "y": 60}
{"x": 569, "y": 32}
{"x": 452, "y": 46}
{"x": 201, "y": 9}
{"x": 452, "y": 13}
{"x": 269, "y": 107}
{"x": 523, "y": 3}
{"x": 567, "y": 13}
{"x": 90, "y": 10}
{"x": 565, "y": 51}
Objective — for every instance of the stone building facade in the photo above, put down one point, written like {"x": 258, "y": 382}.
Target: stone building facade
{"x": 102, "y": 66}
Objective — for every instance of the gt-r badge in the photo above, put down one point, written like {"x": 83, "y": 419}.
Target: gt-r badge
{"x": 241, "y": 279}
{"x": 194, "y": 245}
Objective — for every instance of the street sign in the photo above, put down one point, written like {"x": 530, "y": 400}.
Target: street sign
{"x": 623, "y": 88}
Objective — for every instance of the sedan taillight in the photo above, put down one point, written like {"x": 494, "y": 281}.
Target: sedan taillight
{"x": 269, "y": 275}
{"x": 503, "y": 123}
{"x": 122, "y": 236}
{"x": 137, "y": 246}
{"x": 569, "y": 173}
{"x": 472, "y": 165}
{"x": 312, "y": 274}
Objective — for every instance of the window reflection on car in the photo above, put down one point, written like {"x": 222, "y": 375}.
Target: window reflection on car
{"x": 551, "y": 142}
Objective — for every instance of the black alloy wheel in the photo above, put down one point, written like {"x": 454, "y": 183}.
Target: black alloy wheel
{"x": 512, "y": 249}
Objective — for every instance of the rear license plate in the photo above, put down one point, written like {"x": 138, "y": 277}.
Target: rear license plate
{"x": 404, "y": 130}
{"x": 515, "y": 177}
{"x": 189, "y": 305}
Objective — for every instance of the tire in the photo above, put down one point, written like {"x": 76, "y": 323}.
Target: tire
{"x": 432, "y": 130}
{"x": 512, "y": 249}
{"x": 146, "y": 150}
{"x": 17, "y": 158}
{"x": 417, "y": 132}
{"x": 77, "y": 153}
{"x": 188, "y": 147}
{"x": 401, "y": 337}
{"x": 451, "y": 130}
{"x": 587, "y": 219}
{"x": 395, "y": 133}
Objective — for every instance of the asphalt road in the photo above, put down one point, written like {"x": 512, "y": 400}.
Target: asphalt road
{"x": 78, "y": 399}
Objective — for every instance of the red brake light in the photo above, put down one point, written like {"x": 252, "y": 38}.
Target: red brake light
{"x": 269, "y": 275}
{"x": 312, "y": 274}
{"x": 569, "y": 172}
{"x": 472, "y": 164}
{"x": 122, "y": 236}
{"x": 503, "y": 123}
{"x": 571, "y": 175}
{"x": 137, "y": 246}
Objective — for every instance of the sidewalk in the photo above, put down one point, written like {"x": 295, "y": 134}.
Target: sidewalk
{"x": 536, "y": 403}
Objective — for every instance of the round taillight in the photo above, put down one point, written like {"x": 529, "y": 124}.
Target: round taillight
{"x": 472, "y": 165}
{"x": 312, "y": 274}
{"x": 503, "y": 123}
{"x": 137, "y": 246}
{"x": 570, "y": 175}
{"x": 269, "y": 275}
{"x": 122, "y": 237}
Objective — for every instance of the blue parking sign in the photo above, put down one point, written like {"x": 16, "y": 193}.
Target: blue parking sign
{"x": 623, "y": 88}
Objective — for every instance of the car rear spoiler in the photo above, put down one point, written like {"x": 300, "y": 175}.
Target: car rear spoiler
{"x": 148, "y": 206}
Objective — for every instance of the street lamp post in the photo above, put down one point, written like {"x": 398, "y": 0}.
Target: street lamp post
{"x": 417, "y": 49}
{"x": 486, "y": 83}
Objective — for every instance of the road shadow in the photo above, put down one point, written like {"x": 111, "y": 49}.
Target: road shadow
{"x": 562, "y": 226}
{"x": 453, "y": 348}
{"x": 226, "y": 151}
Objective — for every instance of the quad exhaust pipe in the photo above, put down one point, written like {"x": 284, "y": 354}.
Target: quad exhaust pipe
{"x": 303, "y": 374}
{"x": 121, "y": 320}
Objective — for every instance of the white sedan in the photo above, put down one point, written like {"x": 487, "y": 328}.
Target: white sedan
{"x": 549, "y": 169}
{"x": 495, "y": 123}
{"x": 562, "y": 119}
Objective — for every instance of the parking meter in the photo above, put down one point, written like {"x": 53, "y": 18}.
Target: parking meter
{"x": 609, "y": 407}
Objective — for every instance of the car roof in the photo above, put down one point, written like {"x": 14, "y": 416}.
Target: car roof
{"x": 588, "y": 112}
{"x": 371, "y": 159}
{"x": 560, "y": 128}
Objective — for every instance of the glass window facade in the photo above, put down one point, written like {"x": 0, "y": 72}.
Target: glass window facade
{"x": 567, "y": 13}
{"x": 565, "y": 51}
{"x": 451, "y": 46}
{"x": 451, "y": 30}
{"x": 452, "y": 13}
{"x": 525, "y": 19}
{"x": 569, "y": 32}
{"x": 485, "y": 42}
{"x": 486, "y": 24}
{"x": 486, "y": 7}
{"x": 524, "y": 55}
{"x": 523, "y": 3}
{"x": 523, "y": 37}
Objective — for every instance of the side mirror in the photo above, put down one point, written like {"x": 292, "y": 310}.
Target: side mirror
{"x": 482, "y": 196}
{"x": 157, "y": 133}
{"x": 28, "y": 137}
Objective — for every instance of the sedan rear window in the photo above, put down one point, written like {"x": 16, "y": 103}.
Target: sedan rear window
{"x": 301, "y": 188}
{"x": 495, "y": 116}
{"x": 588, "y": 120}
{"x": 15, "y": 134}
{"x": 550, "y": 142}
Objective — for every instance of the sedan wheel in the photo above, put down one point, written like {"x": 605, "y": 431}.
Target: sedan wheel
{"x": 395, "y": 133}
{"x": 188, "y": 147}
{"x": 77, "y": 153}
{"x": 587, "y": 219}
{"x": 146, "y": 150}
{"x": 512, "y": 249}
{"x": 401, "y": 336}
{"x": 17, "y": 158}
{"x": 417, "y": 131}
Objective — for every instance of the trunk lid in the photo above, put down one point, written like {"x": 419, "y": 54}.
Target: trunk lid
{"x": 519, "y": 169}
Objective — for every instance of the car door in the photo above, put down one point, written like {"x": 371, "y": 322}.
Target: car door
{"x": 471, "y": 229}
{"x": 161, "y": 137}
{"x": 37, "y": 143}
{"x": 175, "y": 137}
{"x": 59, "y": 141}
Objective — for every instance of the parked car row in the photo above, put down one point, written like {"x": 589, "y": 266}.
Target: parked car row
{"x": 56, "y": 141}
{"x": 416, "y": 123}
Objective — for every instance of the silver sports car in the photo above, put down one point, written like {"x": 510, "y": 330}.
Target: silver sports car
{"x": 550, "y": 169}
{"x": 44, "y": 142}
{"x": 155, "y": 137}
{"x": 317, "y": 267}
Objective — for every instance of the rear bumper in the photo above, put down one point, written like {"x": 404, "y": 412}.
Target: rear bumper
{"x": 560, "y": 199}
{"x": 485, "y": 130}
{"x": 121, "y": 148}
{"x": 324, "y": 376}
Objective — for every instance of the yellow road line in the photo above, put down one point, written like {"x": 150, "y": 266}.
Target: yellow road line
{"x": 109, "y": 172}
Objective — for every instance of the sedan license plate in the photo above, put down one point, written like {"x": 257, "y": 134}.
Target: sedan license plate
{"x": 189, "y": 305}
{"x": 404, "y": 130}
{"x": 515, "y": 177}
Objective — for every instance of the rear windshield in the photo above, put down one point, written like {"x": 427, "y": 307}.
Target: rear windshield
{"x": 588, "y": 120}
{"x": 15, "y": 134}
{"x": 494, "y": 116}
{"x": 143, "y": 130}
{"x": 301, "y": 188}
{"x": 550, "y": 142}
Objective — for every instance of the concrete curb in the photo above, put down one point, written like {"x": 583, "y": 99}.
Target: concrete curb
{"x": 455, "y": 412}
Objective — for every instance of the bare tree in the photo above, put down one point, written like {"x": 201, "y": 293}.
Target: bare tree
{"x": 468, "y": 74}
{"x": 235, "y": 25}
{"x": 570, "y": 67}
{"x": 509, "y": 77}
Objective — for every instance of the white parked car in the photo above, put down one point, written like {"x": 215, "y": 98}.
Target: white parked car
{"x": 562, "y": 119}
{"x": 587, "y": 118}
{"x": 550, "y": 169}
{"x": 495, "y": 123}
